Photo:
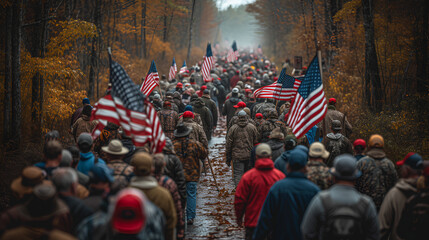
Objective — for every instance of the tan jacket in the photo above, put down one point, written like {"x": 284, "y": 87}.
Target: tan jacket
{"x": 240, "y": 140}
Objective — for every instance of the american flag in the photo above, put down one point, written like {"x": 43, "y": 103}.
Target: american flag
{"x": 233, "y": 53}
{"x": 309, "y": 106}
{"x": 173, "y": 70}
{"x": 207, "y": 64}
{"x": 283, "y": 89}
{"x": 183, "y": 68}
{"x": 151, "y": 80}
{"x": 127, "y": 107}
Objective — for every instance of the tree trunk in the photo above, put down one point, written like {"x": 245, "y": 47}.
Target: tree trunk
{"x": 7, "y": 124}
{"x": 373, "y": 92}
{"x": 188, "y": 55}
{"x": 164, "y": 38}
{"x": 16, "y": 72}
{"x": 313, "y": 18}
{"x": 422, "y": 49}
{"x": 143, "y": 30}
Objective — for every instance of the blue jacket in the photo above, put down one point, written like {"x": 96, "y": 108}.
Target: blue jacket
{"x": 281, "y": 162}
{"x": 86, "y": 162}
{"x": 285, "y": 206}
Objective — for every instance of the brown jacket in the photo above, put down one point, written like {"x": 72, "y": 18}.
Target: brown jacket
{"x": 190, "y": 153}
{"x": 333, "y": 114}
{"x": 168, "y": 120}
{"x": 122, "y": 172}
{"x": 83, "y": 124}
{"x": 240, "y": 140}
{"x": 161, "y": 197}
{"x": 197, "y": 133}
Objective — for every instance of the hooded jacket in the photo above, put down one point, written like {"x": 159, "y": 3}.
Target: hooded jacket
{"x": 190, "y": 153}
{"x": 252, "y": 190}
{"x": 86, "y": 162}
{"x": 336, "y": 144}
{"x": 393, "y": 204}
{"x": 174, "y": 169}
{"x": 277, "y": 148}
{"x": 206, "y": 116}
{"x": 83, "y": 124}
{"x": 197, "y": 133}
{"x": 240, "y": 140}
{"x": 211, "y": 105}
{"x": 228, "y": 108}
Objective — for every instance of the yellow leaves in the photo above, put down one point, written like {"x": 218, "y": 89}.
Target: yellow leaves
{"x": 348, "y": 11}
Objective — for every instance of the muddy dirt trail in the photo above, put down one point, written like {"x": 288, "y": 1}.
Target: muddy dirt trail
{"x": 215, "y": 209}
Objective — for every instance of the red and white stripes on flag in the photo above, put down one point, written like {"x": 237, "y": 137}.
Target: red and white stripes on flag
{"x": 309, "y": 106}
{"x": 151, "y": 80}
{"x": 143, "y": 127}
{"x": 232, "y": 55}
{"x": 207, "y": 64}
{"x": 173, "y": 70}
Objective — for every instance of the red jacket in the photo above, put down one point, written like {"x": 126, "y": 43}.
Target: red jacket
{"x": 253, "y": 189}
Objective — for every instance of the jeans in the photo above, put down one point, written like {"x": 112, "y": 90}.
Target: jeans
{"x": 191, "y": 201}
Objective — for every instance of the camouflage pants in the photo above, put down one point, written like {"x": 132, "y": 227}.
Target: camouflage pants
{"x": 240, "y": 167}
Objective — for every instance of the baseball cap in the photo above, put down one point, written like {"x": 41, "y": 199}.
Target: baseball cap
{"x": 240, "y": 105}
{"x": 85, "y": 101}
{"x": 188, "y": 114}
{"x": 259, "y": 115}
{"x": 332, "y": 100}
{"x": 84, "y": 138}
{"x": 317, "y": 150}
{"x": 302, "y": 148}
{"x": 142, "y": 161}
{"x": 179, "y": 85}
{"x": 345, "y": 167}
{"x": 263, "y": 150}
{"x": 359, "y": 142}
{"x": 128, "y": 216}
{"x": 298, "y": 158}
{"x": 376, "y": 141}
{"x": 336, "y": 125}
{"x": 414, "y": 160}
{"x": 235, "y": 90}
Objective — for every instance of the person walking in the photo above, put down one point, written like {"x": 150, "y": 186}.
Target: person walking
{"x": 336, "y": 143}
{"x": 318, "y": 172}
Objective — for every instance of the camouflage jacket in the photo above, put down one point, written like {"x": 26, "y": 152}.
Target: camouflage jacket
{"x": 268, "y": 126}
{"x": 234, "y": 120}
{"x": 168, "y": 119}
{"x": 378, "y": 175}
{"x": 318, "y": 173}
{"x": 122, "y": 172}
{"x": 197, "y": 119}
{"x": 190, "y": 153}
{"x": 259, "y": 122}
{"x": 261, "y": 107}
{"x": 197, "y": 133}
{"x": 336, "y": 144}
{"x": 333, "y": 114}
{"x": 83, "y": 124}
{"x": 211, "y": 105}
{"x": 206, "y": 115}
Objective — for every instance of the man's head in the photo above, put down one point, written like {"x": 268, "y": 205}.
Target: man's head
{"x": 129, "y": 215}
{"x": 290, "y": 142}
{"x": 101, "y": 177}
{"x": 188, "y": 114}
{"x": 259, "y": 116}
{"x": 242, "y": 115}
{"x": 332, "y": 101}
{"x": 84, "y": 142}
{"x": 336, "y": 126}
{"x": 159, "y": 163}
{"x": 235, "y": 92}
{"x": 66, "y": 158}
{"x": 359, "y": 146}
{"x": 65, "y": 180}
{"x": 115, "y": 149}
{"x": 85, "y": 101}
{"x": 345, "y": 168}
{"x": 142, "y": 163}
{"x": 240, "y": 106}
{"x": 263, "y": 150}
{"x": 52, "y": 151}
{"x": 411, "y": 165}
{"x": 317, "y": 151}
{"x": 376, "y": 141}
{"x": 297, "y": 161}
{"x": 87, "y": 110}
{"x": 277, "y": 134}
{"x": 166, "y": 105}
{"x": 23, "y": 185}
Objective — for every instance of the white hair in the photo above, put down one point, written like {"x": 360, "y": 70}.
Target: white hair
{"x": 64, "y": 178}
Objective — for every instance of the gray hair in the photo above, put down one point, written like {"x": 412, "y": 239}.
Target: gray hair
{"x": 66, "y": 158}
{"x": 64, "y": 178}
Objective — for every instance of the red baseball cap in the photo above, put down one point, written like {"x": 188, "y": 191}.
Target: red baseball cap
{"x": 188, "y": 114}
{"x": 248, "y": 78}
{"x": 224, "y": 70}
{"x": 179, "y": 85}
{"x": 167, "y": 104}
{"x": 359, "y": 142}
{"x": 414, "y": 160}
{"x": 240, "y": 105}
{"x": 237, "y": 71}
{"x": 248, "y": 90}
{"x": 259, "y": 115}
{"x": 332, "y": 100}
{"x": 204, "y": 87}
{"x": 128, "y": 216}
{"x": 275, "y": 78}
{"x": 250, "y": 73}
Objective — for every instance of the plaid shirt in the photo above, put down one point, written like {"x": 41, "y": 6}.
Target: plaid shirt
{"x": 190, "y": 153}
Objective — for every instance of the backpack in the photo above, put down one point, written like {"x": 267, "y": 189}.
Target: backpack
{"x": 343, "y": 222}
{"x": 415, "y": 217}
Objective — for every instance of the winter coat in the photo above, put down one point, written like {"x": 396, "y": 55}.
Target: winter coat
{"x": 259, "y": 122}
{"x": 319, "y": 174}
{"x": 284, "y": 207}
{"x": 197, "y": 119}
{"x": 234, "y": 120}
{"x": 206, "y": 116}
{"x": 277, "y": 148}
{"x": 161, "y": 197}
{"x": 333, "y": 114}
{"x": 378, "y": 175}
{"x": 228, "y": 108}
{"x": 190, "y": 153}
{"x": 76, "y": 115}
{"x": 336, "y": 144}
{"x": 252, "y": 190}
{"x": 78, "y": 210}
{"x": 171, "y": 186}
{"x": 122, "y": 172}
{"x": 211, "y": 105}
{"x": 83, "y": 124}
{"x": 268, "y": 126}
{"x": 168, "y": 119}
{"x": 393, "y": 204}
{"x": 261, "y": 108}
{"x": 197, "y": 133}
{"x": 86, "y": 162}
{"x": 240, "y": 140}
{"x": 174, "y": 169}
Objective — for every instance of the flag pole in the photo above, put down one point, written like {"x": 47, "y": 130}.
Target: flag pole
{"x": 319, "y": 57}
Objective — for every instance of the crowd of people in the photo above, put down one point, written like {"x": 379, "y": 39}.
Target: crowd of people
{"x": 320, "y": 186}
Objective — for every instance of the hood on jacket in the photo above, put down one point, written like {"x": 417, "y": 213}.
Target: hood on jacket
{"x": 264, "y": 163}
{"x": 334, "y": 136}
{"x": 198, "y": 103}
{"x": 407, "y": 186}
{"x": 86, "y": 156}
{"x": 242, "y": 122}
{"x": 86, "y": 118}
{"x": 146, "y": 182}
{"x": 234, "y": 100}
{"x": 376, "y": 153}
{"x": 275, "y": 144}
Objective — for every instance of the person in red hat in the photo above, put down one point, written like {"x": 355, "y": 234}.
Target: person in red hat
{"x": 334, "y": 114}
{"x": 197, "y": 133}
{"x": 259, "y": 119}
{"x": 359, "y": 146}
{"x": 235, "y": 79}
{"x": 201, "y": 91}
{"x": 179, "y": 87}
{"x": 395, "y": 221}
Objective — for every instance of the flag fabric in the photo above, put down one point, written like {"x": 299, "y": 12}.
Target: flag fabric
{"x": 183, "y": 68}
{"x": 151, "y": 80}
{"x": 309, "y": 106}
{"x": 126, "y": 106}
{"x": 173, "y": 70}
{"x": 232, "y": 53}
{"x": 283, "y": 89}
{"x": 207, "y": 64}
